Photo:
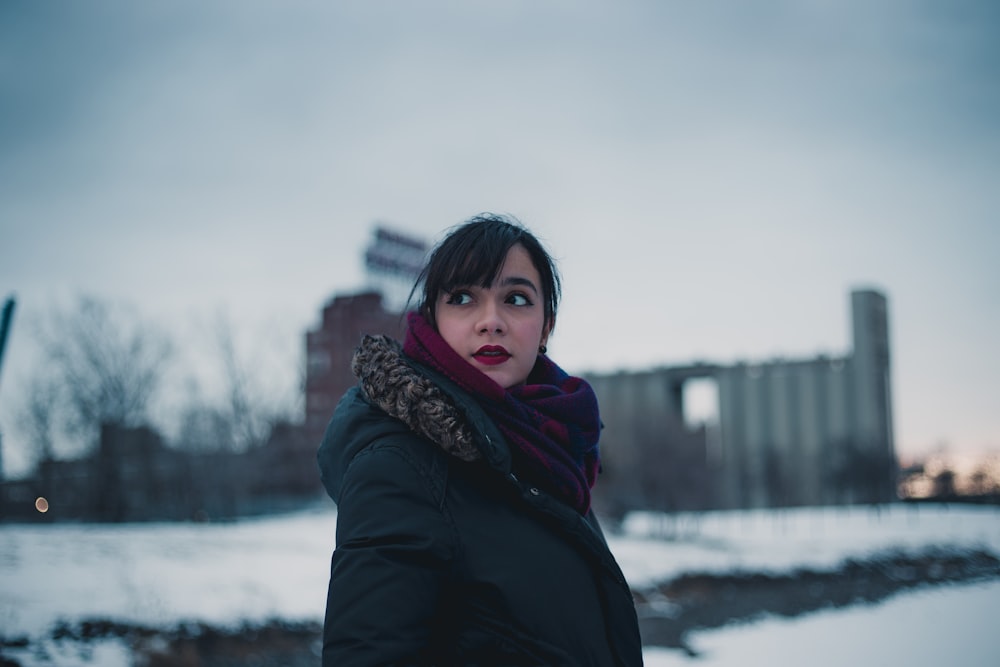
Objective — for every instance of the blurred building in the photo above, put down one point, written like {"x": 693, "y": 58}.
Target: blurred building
{"x": 133, "y": 475}
{"x": 789, "y": 432}
{"x": 329, "y": 349}
{"x": 393, "y": 260}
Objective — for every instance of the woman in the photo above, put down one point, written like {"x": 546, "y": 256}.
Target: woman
{"x": 461, "y": 466}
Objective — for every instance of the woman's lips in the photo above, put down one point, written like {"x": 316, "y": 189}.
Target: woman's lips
{"x": 491, "y": 355}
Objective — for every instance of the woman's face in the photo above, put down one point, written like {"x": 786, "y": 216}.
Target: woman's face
{"x": 497, "y": 329}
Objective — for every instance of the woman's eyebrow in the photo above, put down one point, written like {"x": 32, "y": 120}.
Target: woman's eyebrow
{"x": 517, "y": 280}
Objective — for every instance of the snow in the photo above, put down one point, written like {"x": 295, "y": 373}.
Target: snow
{"x": 945, "y": 626}
{"x": 782, "y": 540}
{"x": 165, "y": 574}
{"x": 228, "y": 574}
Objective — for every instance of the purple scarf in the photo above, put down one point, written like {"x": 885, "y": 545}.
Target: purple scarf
{"x": 551, "y": 422}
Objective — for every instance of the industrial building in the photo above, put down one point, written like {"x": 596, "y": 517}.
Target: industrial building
{"x": 789, "y": 432}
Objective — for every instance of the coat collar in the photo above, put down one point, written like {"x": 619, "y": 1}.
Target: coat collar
{"x": 430, "y": 404}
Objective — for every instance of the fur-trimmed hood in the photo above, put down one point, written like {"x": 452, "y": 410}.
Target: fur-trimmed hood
{"x": 390, "y": 382}
{"x": 398, "y": 397}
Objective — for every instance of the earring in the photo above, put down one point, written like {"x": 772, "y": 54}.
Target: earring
{"x": 542, "y": 349}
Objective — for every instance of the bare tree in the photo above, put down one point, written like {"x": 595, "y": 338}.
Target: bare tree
{"x": 38, "y": 418}
{"x": 248, "y": 411}
{"x": 246, "y": 401}
{"x": 944, "y": 484}
{"x": 985, "y": 478}
{"x": 205, "y": 428}
{"x": 105, "y": 365}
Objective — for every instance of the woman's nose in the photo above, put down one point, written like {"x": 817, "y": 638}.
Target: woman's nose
{"x": 490, "y": 320}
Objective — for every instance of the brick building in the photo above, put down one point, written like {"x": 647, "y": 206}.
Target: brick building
{"x": 331, "y": 345}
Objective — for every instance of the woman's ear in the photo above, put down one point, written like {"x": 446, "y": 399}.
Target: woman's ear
{"x": 546, "y": 330}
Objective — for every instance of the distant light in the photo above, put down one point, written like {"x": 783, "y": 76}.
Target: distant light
{"x": 41, "y": 504}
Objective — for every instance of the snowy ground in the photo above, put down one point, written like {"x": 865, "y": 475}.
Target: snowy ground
{"x": 162, "y": 575}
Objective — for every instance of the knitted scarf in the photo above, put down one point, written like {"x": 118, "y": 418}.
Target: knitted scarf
{"x": 551, "y": 422}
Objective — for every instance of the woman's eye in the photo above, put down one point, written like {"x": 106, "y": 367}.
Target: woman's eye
{"x": 459, "y": 298}
{"x": 518, "y": 300}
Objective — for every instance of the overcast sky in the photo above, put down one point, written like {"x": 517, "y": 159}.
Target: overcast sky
{"x": 714, "y": 177}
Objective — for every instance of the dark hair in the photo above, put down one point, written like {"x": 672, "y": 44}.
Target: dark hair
{"x": 473, "y": 254}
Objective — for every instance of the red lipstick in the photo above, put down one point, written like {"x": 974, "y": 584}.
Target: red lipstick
{"x": 491, "y": 355}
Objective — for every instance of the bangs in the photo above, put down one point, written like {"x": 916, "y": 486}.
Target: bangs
{"x": 480, "y": 265}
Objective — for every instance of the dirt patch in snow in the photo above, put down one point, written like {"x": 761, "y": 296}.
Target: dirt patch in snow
{"x": 668, "y": 613}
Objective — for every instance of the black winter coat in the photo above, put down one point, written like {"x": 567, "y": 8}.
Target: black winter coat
{"x": 443, "y": 556}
